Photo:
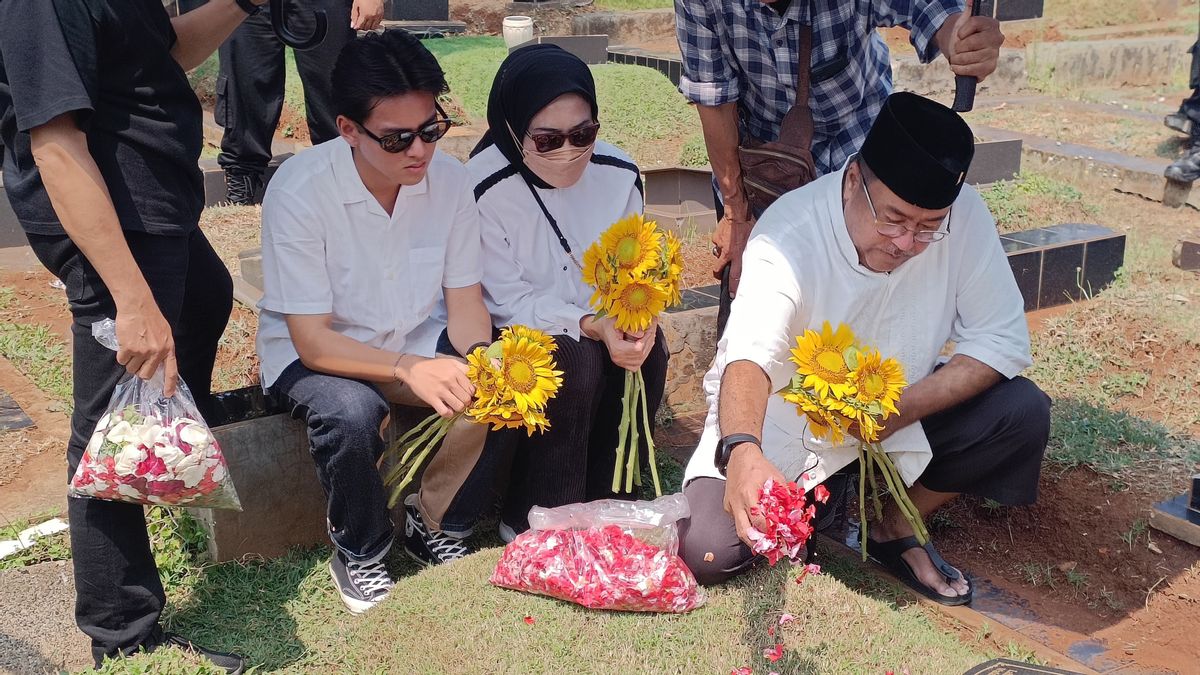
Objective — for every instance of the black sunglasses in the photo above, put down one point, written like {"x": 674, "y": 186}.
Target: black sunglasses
{"x": 399, "y": 141}
{"x": 580, "y": 138}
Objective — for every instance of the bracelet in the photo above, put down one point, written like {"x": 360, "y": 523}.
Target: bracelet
{"x": 472, "y": 348}
{"x": 396, "y": 369}
{"x": 249, "y": 7}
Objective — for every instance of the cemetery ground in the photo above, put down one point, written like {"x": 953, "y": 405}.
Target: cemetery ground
{"x": 1080, "y": 570}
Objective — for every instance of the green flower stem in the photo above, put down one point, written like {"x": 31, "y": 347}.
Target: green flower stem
{"x": 622, "y": 437}
{"x": 863, "y": 467}
{"x": 649, "y": 435}
{"x": 429, "y": 427}
{"x": 630, "y": 414}
{"x": 415, "y": 431}
{"x": 896, "y": 487}
{"x": 417, "y": 462}
{"x": 874, "y": 488}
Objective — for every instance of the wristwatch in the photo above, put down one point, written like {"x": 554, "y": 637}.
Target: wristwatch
{"x": 249, "y": 7}
{"x": 726, "y": 445}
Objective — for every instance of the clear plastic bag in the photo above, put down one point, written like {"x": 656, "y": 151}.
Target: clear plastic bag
{"x": 607, "y": 554}
{"x": 149, "y": 449}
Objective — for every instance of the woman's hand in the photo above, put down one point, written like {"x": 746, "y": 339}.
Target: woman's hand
{"x": 627, "y": 350}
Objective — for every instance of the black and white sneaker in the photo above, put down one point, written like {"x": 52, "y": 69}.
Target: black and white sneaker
{"x": 241, "y": 188}
{"x": 361, "y": 585}
{"x": 430, "y": 548}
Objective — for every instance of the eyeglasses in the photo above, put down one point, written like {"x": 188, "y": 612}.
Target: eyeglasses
{"x": 399, "y": 141}
{"x": 893, "y": 230}
{"x": 580, "y": 138}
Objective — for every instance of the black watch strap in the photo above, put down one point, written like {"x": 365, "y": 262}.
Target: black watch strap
{"x": 726, "y": 445}
{"x": 249, "y": 7}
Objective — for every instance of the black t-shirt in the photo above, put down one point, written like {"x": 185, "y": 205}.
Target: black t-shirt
{"x": 108, "y": 61}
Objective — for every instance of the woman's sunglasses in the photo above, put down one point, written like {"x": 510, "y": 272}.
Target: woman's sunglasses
{"x": 400, "y": 141}
{"x": 580, "y": 138}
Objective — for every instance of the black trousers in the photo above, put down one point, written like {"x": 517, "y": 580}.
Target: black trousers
{"x": 989, "y": 446}
{"x": 251, "y": 82}
{"x": 573, "y": 460}
{"x": 118, "y": 594}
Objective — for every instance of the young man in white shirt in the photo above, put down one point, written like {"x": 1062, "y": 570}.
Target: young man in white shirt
{"x": 896, "y": 247}
{"x": 362, "y": 237}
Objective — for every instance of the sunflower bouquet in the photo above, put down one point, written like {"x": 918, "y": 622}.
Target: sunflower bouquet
{"x": 636, "y": 269}
{"x": 840, "y": 384}
{"x": 515, "y": 377}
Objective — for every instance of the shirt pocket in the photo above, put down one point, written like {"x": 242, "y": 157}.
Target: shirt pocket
{"x": 426, "y": 266}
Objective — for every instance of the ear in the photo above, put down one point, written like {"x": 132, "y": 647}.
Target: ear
{"x": 348, "y": 129}
{"x": 853, "y": 182}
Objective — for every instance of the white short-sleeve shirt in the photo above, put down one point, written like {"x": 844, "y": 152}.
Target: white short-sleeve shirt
{"x": 529, "y": 278}
{"x": 328, "y": 247}
{"x": 800, "y": 269}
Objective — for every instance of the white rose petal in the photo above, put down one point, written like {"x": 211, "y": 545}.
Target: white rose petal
{"x": 93, "y": 445}
{"x": 196, "y": 436}
{"x": 121, "y": 433}
{"x": 188, "y": 462}
{"x": 128, "y": 459}
{"x": 170, "y": 455}
{"x": 148, "y": 433}
{"x": 128, "y": 491}
{"x": 192, "y": 475}
{"x": 103, "y": 423}
{"x": 218, "y": 474}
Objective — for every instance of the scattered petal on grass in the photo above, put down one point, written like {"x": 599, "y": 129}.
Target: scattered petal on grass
{"x": 744, "y": 670}
{"x": 785, "y": 619}
{"x": 530, "y": 620}
{"x": 774, "y": 653}
{"x": 771, "y": 631}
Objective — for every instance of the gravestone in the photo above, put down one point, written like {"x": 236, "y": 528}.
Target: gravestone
{"x": 681, "y": 198}
{"x": 1186, "y": 255}
{"x": 1180, "y": 517}
{"x": 591, "y": 49}
{"x": 995, "y": 160}
{"x": 416, "y": 10}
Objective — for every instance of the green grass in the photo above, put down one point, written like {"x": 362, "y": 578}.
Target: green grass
{"x": 41, "y": 355}
{"x": 1034, "y": 200}
{"x": 284, "y": 616}
{"x": 694, "y": 152}
{"x": 632, "y": 5}
{"x": 1109, "y": 441}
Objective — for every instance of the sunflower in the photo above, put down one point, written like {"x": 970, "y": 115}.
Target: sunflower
{"x": 635, "y": 303}
{"x": 527, "y": 373}
{"x": 820, "y": 359}
{"x": 822, "y": 421}
{"x": 672, "y": 268}
{"x": 519, "y": 331}
{"x": 632, "y": 245}
{"x": 598, "y": 273}
{"x": 878, "y": 383}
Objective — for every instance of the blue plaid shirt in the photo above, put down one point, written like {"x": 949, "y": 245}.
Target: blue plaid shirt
{"x": 742, "y": 50}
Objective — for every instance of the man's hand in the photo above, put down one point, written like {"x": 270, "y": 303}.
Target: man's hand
{"x": 146, "y": 342}
{"x": 747, "y": 471}
{"x": 366, "y": 14}
{"x": 729, "y": 241}
{"x": 627, "y": 350}
{"x": 440, "y": 382}
{"x": 971, "y": 43}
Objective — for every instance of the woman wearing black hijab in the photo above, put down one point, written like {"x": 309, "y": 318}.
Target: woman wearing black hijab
{"x": 546, "y": 189}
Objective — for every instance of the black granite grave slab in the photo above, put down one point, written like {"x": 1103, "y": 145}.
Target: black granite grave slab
{"x": 416, "y": 10}
{"x": 589, "y": 48}
{"x": 693, "y": 300}
{"x": 1012, "y": 246}
{"x": 11, "y": 415}
{"x": 1027, "y": 270}
{"x": 1079, "y": 231}
{"x": 995, "y": 160}
{"x": 1101, "y": 260}
{"x": 1062, "y": 275}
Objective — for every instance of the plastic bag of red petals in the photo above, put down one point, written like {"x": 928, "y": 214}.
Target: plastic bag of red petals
{"x": 607, "y": 554}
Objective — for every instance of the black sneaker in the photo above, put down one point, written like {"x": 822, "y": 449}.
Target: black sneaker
{"x": 1187, "y": 168}
{"x": 230, "y": 663}
{"x": 241, "y": 188}
{"x": 1179, "y": 122}
{"x": 430, "y": 548}
{"x": 361, "y": 585}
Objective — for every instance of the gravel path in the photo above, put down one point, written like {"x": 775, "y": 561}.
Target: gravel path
{"x": 37, "y": 621}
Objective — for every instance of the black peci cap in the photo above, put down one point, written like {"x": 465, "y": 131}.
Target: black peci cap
{"x": 920, "y": 149}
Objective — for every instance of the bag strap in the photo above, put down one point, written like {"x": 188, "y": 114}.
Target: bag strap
{"x": 796, "y": 130}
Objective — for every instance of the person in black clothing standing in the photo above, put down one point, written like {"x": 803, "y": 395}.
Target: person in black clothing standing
{"x": 250, "y": 85}
{"x": 1187, "y": 168}
{"x": 102, "y": 133}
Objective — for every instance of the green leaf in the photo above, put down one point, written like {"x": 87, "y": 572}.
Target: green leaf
{"x": 495, "y": 350}
{"x": 851, "y": 357}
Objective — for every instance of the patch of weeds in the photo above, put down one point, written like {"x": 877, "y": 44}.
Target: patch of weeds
{"x": 6, "y": 297}
{"x": 44, "y": 549}
{"x": 1038, "y": 574}
{"x": 943, "y": 519}
{"x": 1108, "y": 599}
{"x": 160, "y": 662}
{"x": 1032, "y": 200}
{"x": 1022, "y": 653}
{"x": 1077, "y": 579}
{"x": 1134, "y": 533}
{"x": 1125, "y": 384}
{"x": 694, "y": 152}
{"x": 41, "y": 355}
{"x": 1063, "y": 363}
{"x": 993, "y": 507}
{"x": 1109, "y": 441}
{"x": 177, "y": 540}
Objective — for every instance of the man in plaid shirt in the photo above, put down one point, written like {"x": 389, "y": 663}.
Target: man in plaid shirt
{"x": 739, "y": 68}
